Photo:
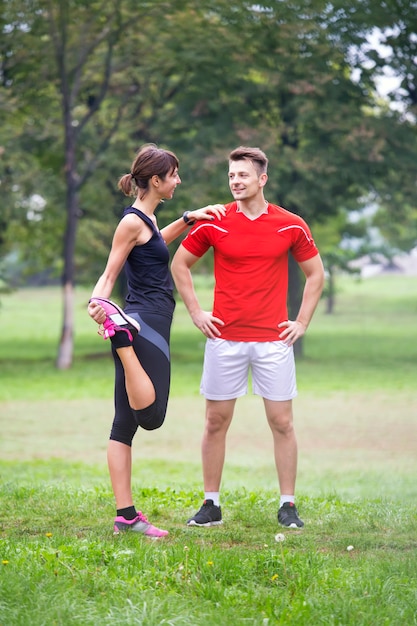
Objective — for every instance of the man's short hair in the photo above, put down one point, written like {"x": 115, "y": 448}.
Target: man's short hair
{"x": 255, "y": 155}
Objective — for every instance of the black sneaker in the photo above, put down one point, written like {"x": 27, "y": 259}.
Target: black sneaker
{"x": 208, "y": 515}
{"x": 288, "y": 516}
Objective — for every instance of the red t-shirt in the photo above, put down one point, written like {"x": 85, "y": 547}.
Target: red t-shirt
{"x": 251, "y": 268}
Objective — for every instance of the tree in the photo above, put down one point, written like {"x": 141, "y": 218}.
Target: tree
{"x": 89, "y": 91}
{"x": 335, "y": 238}
{"x": 384, "y": 35}
{"x": 199, "y": 78}
{"x": 98, "y": 88}
{"x": 18, "y": 166}
{"x": 84, "y": 56}
{"x": 296, "y": 98}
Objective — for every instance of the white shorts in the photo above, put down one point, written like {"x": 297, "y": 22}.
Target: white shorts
{"x": 227, "y": 365}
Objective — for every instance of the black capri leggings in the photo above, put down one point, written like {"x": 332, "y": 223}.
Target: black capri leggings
{"x": 152, "y": 349}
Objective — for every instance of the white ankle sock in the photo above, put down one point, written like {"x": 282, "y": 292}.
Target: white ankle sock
{"x": 284, "y": 498}
{"x": 212, "y": 495}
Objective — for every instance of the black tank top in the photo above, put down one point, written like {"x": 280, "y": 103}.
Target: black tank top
{"x": 150, "y": 286}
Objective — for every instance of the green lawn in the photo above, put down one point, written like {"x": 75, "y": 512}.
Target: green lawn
{"x": 357, "y": 429}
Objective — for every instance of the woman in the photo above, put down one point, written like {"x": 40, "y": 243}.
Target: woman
{"x": 140, "y": 333}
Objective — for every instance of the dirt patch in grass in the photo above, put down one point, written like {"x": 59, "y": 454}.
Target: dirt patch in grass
{"x": 79, "y": 429}
{"x": 355, "y": 446}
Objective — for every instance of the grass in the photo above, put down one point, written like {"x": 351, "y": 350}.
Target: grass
{"x": 62, "y": 566}
{"x": 368, "y": 344}
{"x": 356, "y": 426}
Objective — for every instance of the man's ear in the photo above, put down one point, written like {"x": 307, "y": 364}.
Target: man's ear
{"x": 263, "y": 179}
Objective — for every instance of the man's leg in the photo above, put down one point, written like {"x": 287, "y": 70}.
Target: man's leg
{"x": 280, "y": 420}
{"x": 219, "y": 415}
{"x": 225, "y": 375}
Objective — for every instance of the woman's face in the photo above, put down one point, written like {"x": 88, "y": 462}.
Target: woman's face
{"x": 168, "y": 184}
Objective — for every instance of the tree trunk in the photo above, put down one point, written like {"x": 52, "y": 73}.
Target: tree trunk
{"x": 65, "y": 350}
{"x": 294, "y": 298}
{"x": 66, "y": 347}
{"x": 330, "y": 291}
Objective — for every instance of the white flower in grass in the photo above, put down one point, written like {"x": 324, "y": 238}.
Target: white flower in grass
{"x": 349, "y": 548}
{"x": 279, "y": 537}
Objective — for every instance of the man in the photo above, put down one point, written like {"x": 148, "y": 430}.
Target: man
{"x": 249, "y": 327}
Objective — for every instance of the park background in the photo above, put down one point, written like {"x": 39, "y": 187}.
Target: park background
{"x": 328, "y": 91}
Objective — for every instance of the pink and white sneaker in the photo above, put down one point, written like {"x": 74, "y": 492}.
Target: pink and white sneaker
{"x": 139, "y": 524}
{"x": 116, "y": 320}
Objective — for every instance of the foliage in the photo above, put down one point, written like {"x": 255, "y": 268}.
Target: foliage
{"x": 402, "y": 231}
{"x": 387, "y": 53}
{"x": 287, "y": 85}
{"x": 296, "y": 78}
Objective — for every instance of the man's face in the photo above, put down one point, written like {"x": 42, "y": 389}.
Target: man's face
{"x": 244, "y": 180}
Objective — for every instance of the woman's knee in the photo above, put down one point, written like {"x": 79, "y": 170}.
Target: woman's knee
{"x": 150, "y": 418}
